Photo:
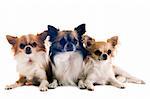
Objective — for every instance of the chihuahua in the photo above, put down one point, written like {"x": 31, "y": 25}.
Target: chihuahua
{"x": 32, "y": 60}
{"x": 67, "y": 54}
{"x": 98, "y": 67}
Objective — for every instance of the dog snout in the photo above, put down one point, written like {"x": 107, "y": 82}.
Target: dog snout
{"x": 104, "y": 56}
{"x": 69, "y": 45}
{"x": 28, "y": 50}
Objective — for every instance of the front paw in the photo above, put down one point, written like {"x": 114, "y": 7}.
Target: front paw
{"x": 8, "y": 87}
{"x": 44, "y": 85}
{"x": 43, "y": 88}
{"x": 81, "y": 85}
{"x": 89, "y": 85}
{"x": 121, "y": 86}
{"x": 53, "y": 85}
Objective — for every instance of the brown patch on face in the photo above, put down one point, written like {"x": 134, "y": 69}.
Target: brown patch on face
{"x": 74, "y": 34}
{"x": 19, "y": 43}
{"x": 98, "y": 48}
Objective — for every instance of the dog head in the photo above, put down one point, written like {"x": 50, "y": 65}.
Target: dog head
{"x": 27, "y": 45}
{"x": 101, "y": 50}
{"x": 66, "y": 40}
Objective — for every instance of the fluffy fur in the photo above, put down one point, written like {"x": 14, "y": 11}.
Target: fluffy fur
{"x": 98, "y": 66}
{"x": 67, "y": 54}
{"x": 32, "y": 60}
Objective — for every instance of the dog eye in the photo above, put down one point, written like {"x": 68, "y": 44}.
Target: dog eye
{"x": 34, "y": 44}
{"x": 22, "y": 46}
{"x": 62, "y": 41}
{"x": 75, "y": 41}
{"x": 109, "y": 52}
{"x": 97, "y": 52}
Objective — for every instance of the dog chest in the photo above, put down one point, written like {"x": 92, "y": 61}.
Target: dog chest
{"x": 68, "y": 66}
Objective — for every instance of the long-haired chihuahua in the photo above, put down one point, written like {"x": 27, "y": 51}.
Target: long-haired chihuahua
{"x": 99, "y": 68}
{"x": 32, "y": 60}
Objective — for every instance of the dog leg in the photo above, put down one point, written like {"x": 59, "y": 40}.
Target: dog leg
{"x": 81, "y": 84}
{"x": 89, "y": 85}
{"x": 116, "y": 83}
{"x": 43, "y": 85}
{"x": 129, "y": 78}
{"x": 20, "y": 82}
{"x": 53, "y": 85}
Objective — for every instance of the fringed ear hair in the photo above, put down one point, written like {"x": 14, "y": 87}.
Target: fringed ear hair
{"x": 42, "y": 36}
{"x": 52, "y": 32}
{"x": 80, "y": 29}
{"x": 113, "y": 40}
{"x": 88, "y": 41}
{"x": 11, "y": 39}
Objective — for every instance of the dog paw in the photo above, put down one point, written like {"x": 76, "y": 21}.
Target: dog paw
{"x": 139, "y": 82}
{"x": 122, "y": 86}
{"x": 43, "y": 88}
{"x": 81, "y": 85}
{"x": 52, "y": 85}
{"x": 90, "y": 87}
{"x": 8, "y": 87}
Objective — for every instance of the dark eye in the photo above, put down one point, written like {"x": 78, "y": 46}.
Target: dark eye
{"x": 109, "y": 52}
{"x": 97, "y": 52}
{"x": 34, "y": 44}
{"x": 62, "y": 41}
{"x": 75, "y": 41}
{"x": 22, "y": 46}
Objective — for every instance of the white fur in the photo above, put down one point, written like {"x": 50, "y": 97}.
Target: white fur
{"x": 68, "y": 66}
{"x": 36, "y": 68}
{"x": 99, "y": 72}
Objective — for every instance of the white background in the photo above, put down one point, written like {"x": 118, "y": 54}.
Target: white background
{"x": 129, "y": 19}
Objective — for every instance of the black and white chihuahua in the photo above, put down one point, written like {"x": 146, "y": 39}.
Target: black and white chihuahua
{"x": 67, "y": 54}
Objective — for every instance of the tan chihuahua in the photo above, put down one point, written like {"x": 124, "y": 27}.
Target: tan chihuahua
{"x": 32, "y": 60}
{"x": 98, "y": 67}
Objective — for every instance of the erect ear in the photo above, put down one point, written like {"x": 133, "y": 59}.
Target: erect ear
{"x": 11, "y": 39}
{"x": 88, "y": 41}
{"x": 113, "y": 40}
{"x": 42, "y": 36}
{"x": 80, "y": 29}
{"x": 52, "y": 32}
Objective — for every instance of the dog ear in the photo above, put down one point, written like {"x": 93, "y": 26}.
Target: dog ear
{"x": 11, "y": 39}
{"x": 113, "y": 40}
{"x": 87, "y": 41}
{"x": 80, "y": 29}
{"x": 42, "y": 36}
{"x": 52, "y": 32}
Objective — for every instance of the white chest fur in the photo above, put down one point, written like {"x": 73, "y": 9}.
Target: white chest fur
{"x": 99, "y": 71}
{"x": 68, "y": 66}
{"x": 31, "y": 69}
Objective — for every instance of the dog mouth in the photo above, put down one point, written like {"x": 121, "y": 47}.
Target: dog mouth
{"x": 30, "y": 61}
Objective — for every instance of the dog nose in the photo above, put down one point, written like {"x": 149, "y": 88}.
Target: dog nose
{"x": 104, "y": 56}
{"x": 69, "y": 45}
{"x": 28, "y": 50}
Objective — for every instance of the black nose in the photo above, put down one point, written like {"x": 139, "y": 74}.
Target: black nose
{"x": 28, "y": 50}
{"x": 104, "y": 56}
{"x": 69, "y": 45}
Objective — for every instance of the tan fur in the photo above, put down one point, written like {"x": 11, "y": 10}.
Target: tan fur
{"x": 100, "y": 71}
{"x": 33, "y": 65}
